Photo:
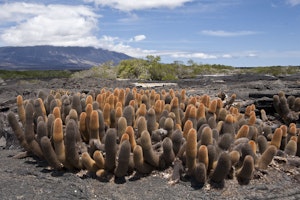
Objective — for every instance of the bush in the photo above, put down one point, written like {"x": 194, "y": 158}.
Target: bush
{"x": 105, "y": 71}
{"x": 149, "y": 69}
{"x": 133, "y": 69}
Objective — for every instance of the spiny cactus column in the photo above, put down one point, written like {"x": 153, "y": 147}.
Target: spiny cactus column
{"x": 234, "y": 157}
{"x": 284, "y": 140}
{"x": 175, "y": 109}
{"x": 212, "y": 109}
{"x": 99, "y": 159}
{"x": 129, "y": 130}
{"x": 262, "y": 143}
{"x": 29, "y": 132}
{"x": 121, "y": 127}
{"x": 221, "y": 171}
{"x": 141, "y": 126}
{"x": 177, "y": 140}
{"x": 83, "y": 127}
{"x": 94, "y": 138}
{"x": 110, "y": 150}
{"x": 102, "y": 127}
{"x": 186, "y": 128}
{"x": 191, "y": 150}
{"x": 139, "y": 163}
{"x": 106, "y": 114}
{"x": 89, "y": 163}
{"x": 123, "y": 159}
{"x": 50, "y": 122}
{"x": 49, "y": 153}
{"x": 58, "y": 142}
{"x": 242, "y": 132}
{"x": 276, "y": 139}
{"x": 149, "y": 155}
{"x": 128, "y": 113}
{"x": 267, "y": 157}
{"x": 12, "y": 120}
{"x": 94, "y": 125}
{"x": 72, "y": 155}
{"x": 206, "y": 136}
{"x": 41, "y": 131}
{"x": 169, "y": 126}
{"x": 203, "y": 155}
{"x": 168, "y": 156}
{"x": 245, "y": 174}
{"x": 76, "y": 104}
{"x": 21, "y": 109}
{"x": 200, "y": 174}
{"x": 228, "y": 126}
{"x": 291, "y": 148}
{"x": 151, "y": 120}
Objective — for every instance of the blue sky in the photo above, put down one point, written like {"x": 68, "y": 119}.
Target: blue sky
{"x": 231, "y": 32}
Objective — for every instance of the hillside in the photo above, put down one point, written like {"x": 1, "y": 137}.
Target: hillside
{"x": 53, "y": 57}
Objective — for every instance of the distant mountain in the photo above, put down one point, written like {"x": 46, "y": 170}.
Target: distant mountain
{"x": 56, "y": 57}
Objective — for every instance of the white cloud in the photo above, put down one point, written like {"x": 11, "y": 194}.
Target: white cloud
{"x": 221, "y": 33}
{"x": 226, "y": 56}
{"x": 251, "y": 55}
{"x": 119, "y": 45}
{"x": 129, "y": 5}
{"x": 206, "y": 56}
{"x": 38, "y": 24}
{"x": 293, "y": 2}
{"x": 66, "y": 25}
{"x": 59, "y": 25}
{"x": 194, "y": 55}
{"x": 132, "y": 17}
{"x": 241, "y": 54}
{"x": 137, "y": 38}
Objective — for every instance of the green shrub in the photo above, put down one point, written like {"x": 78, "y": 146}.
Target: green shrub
{"x": 105, "y": 71}
{"x": 133, "y": 69}
{"x": 152, "y": 69}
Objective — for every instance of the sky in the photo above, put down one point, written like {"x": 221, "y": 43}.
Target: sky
{"x": 240, "y": 33}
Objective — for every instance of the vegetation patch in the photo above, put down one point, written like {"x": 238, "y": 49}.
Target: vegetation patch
{"x": 105, "y": 71}
{"x": 150, "y": 68}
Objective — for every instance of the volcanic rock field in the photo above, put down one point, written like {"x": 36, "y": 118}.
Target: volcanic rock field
{"x": 212, "y": 137}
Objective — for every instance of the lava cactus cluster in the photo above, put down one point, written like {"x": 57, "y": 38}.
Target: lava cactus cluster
{"x": 119, "y": 132}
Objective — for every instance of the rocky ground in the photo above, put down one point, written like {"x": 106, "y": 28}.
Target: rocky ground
{"x": 29, "y": 178}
